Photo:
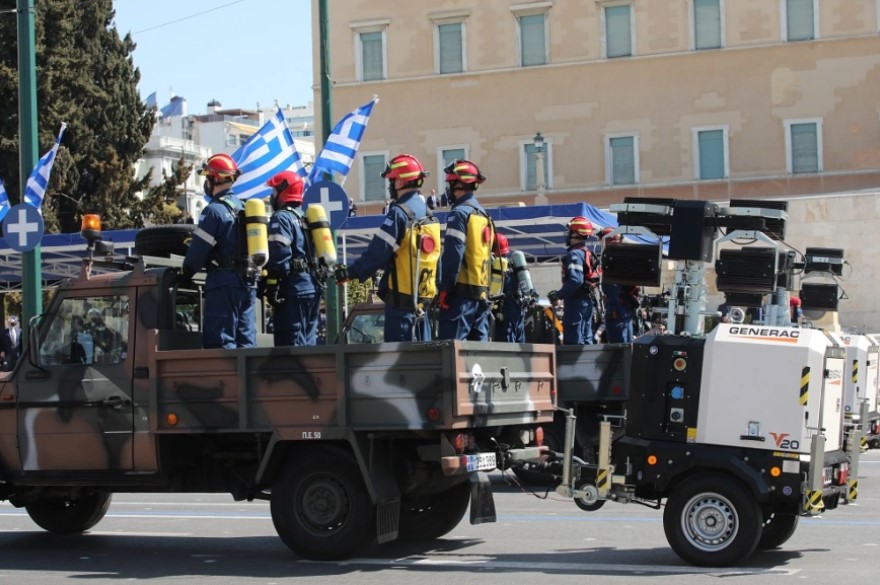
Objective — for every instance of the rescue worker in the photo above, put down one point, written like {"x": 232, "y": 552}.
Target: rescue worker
{"x": 466, "y": 260}
{"x": 406, "y": 257}
{"x": 511, "y": 324}
{"x": 579, "y": 274}
{"x": 621, "y": 302}
{"x": 229, "y": 318}
{"x": 292, "y": 284}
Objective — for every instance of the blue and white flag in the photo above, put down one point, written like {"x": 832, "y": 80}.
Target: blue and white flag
{"x": 39, "y": 179}
{"x": 4, "y": 201}
{"x": 264, "y": 155}
{"x": 338, "y": 153}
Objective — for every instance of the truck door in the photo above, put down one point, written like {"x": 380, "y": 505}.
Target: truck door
{"x": 75, "y": 399}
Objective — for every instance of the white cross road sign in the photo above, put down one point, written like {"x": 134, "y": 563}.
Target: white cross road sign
{"x": 332, "y": 197}
{"x": 23, "y": 228}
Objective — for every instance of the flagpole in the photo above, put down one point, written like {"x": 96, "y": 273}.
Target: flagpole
{"x": 31, "y": 277}
{"x": 334, "y": 313}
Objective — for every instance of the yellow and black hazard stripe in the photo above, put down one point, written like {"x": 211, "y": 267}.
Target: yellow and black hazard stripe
{"x": 855, "y": 372}
{"x": 805, "y": 385}
{"x": 853, "y": 491}
{"x": 603, "y": 478}
{"x": 864, "y": 443}
{"x": 813, "y": 502}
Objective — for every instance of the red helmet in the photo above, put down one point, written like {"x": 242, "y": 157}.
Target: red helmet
{"x": 405, "y": 167}
{"x": 465, "y": 172}
{"x": 221, "y": 168}
{"x": 502, "y": 246}
{"x": 580, "y": 226}
{"x": 794, "y": 302}
{"x": 287, "y": 187}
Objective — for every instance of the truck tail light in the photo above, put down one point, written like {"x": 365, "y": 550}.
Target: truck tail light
{"x": 539, "y": 436}
{"x": 433, "y": 414}
{"x": 459, "y": 443}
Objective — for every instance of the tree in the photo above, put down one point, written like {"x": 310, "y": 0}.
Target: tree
{"x": 87, "y": 78}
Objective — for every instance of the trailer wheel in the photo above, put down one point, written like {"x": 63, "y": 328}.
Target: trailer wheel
{"x": 69, "y": 516}
{"x": 711, "y": 520}
{"x": 430, "y": 517}
{"x": 163, "y": 240}
{"x": 778, "y": 528}
{"x": 320, "y": 506}
{"x": 592, "y": 502}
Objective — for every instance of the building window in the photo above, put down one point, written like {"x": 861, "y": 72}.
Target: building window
{"x": 710, "y": 150}
{"x": 799, "y": 20}
{"x": 370, "y": 50}
{"x": 371, "y": 177}
{"x": 445, "y": 156}
{"x": 533, "y": 39}
{"x": 530, "y": 166}
{"x": 622, "y": 159}
{"x": 450, "y": 47}
{"x": 707, "y": 24}
{"x": 618, "y": 31}
{"x": 803, "y": 146}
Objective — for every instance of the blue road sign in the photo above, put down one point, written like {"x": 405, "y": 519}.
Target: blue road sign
{"x": 23, "y": 227}
{"x": 332, "y": 197}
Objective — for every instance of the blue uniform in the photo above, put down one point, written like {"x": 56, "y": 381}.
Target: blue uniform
{"x": 466, "y": 318}
{"x": 619, "y": 313}
{"x": 230, "y": 297}
{"x": 400, "y": 324}
{"x": 577, "y": 318}
{"x": 513, "y": 311}
{"x": 291, "y": 262}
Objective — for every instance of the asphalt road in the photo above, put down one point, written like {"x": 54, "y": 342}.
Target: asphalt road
{"x": 191, "y": 538}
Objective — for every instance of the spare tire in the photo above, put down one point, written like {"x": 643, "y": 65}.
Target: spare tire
{"x": 164, "y": 240}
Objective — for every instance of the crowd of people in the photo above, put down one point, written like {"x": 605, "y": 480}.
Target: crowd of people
{"x": 423, "y": 279}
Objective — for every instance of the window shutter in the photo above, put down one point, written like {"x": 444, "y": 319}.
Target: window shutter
{"x": 534, "y": 44}
{"x": 374, "y": 184}
{"x": 804, "y": 148}
{"x": 623, "y": 161}
{"x": 800, "y": 20}
{"x": 371, "y": 51}
{"x": 711, "y": 144}
{"x": 450, "y": 42}
{"x": 618, "y": 31}
{"x": 707, "y": 22}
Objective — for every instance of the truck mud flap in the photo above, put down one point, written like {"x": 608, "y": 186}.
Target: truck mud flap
{"x": 482, "y": 500}
{"x": 387, "y": 521}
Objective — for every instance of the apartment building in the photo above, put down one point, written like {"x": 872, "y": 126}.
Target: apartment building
{"x": 595, "y": 100}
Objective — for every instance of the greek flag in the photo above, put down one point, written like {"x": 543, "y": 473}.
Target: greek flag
{"x": 265, "y": 154}
{"x": 338, "y": 153}
{"x": 39, "y": 179}
{"x": 4, "y": 201}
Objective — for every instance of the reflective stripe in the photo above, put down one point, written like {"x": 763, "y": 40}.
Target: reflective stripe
{"x": 203, "y": 235}
{"x": 388, "y": 239}
{"x": 457, "y": 234}
{"x": 576, "y": 268}
{"x": 280, "y": 238}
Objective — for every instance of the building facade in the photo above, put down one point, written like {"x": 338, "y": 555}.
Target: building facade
{"x": 702, "y": 99}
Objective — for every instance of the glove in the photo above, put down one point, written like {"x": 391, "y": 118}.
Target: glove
{"x": 273, "y": 293}
{"x": 553, "y": 296}
{"x": 442, "y": 300}
{"x": 341, "y": 273}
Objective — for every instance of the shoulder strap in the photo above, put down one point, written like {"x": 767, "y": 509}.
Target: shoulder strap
{"x": 410, "y": 215}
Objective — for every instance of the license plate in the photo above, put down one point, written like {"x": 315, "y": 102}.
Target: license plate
{"x": 481, "y": 462}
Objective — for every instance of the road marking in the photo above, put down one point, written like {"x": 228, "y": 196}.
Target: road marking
{"x": 585, "y": 567}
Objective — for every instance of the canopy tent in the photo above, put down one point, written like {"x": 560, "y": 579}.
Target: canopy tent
{"x": 537, "y": 231}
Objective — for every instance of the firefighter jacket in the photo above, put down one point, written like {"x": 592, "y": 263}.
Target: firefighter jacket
{"x": 467, "y": 250}
{"x": 578, "y": 271}
{"x": 216, "y": 242}
{"x": 291, "y": 255}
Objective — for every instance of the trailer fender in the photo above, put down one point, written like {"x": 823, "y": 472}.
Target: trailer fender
{"x": 750, "y": 477}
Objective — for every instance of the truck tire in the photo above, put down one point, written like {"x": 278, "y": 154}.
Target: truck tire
{"x": 69, "y": 516}
{"x": 320, "y": 506}
{"x": 778, "y": 528}
{"x": 430, "y": 517}
{"x": 163, "y": 240}
{"x": 712, "y": 520}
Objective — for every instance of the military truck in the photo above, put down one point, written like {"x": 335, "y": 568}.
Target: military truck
{"x": 352, "y": 444}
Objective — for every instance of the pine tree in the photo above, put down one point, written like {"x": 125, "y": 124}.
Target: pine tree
{"x": 87, "y": 78}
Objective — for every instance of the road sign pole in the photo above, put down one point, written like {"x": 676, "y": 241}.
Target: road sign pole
{"x": 31, "y": 275}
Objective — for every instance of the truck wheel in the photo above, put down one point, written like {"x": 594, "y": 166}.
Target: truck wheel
{"x": 320, "y": 506}
{"x": 711, "y": 520}
{"x": 163, "y": 240}
{"x": 69, "y": 516}
{"x": 778, "y": 528}
{"x": 430, "y": 517}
